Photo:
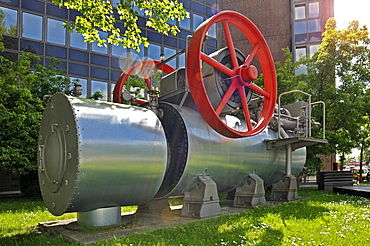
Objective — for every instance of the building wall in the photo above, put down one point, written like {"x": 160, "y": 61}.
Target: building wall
{"x": 271, "y": 17}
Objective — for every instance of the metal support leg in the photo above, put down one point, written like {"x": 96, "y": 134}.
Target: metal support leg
{"x": 286, "y": 188}
{"x": 100, "y": 217}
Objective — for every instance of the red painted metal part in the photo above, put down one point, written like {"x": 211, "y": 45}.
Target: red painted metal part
{"x": 241, "y": 76}
{"x": 138, "y": 66}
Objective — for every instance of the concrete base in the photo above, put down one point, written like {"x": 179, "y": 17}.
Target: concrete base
{"x": 251, "y": 193}
{"x": 285, "y": 189}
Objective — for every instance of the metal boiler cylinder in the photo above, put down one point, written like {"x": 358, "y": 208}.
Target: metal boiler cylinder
{"x": 195, "y": 148}
{"x": 95, "y": 154}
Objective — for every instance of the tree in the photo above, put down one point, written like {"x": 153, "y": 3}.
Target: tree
{"x": 101, "y": 15}
{"x": 344, "y": 56}
{"x": 22, "y": 87}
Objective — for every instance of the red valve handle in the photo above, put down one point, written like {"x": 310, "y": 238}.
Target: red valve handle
{"x": 139, "y": 65}
{"x": 241, "y": 76}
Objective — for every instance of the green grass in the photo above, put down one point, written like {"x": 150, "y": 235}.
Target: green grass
{"x": 324, "y": 219}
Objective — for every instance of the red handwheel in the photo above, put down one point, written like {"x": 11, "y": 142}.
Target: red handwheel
{"x": 241, "y": 76}
{"x": 139, "y": 66}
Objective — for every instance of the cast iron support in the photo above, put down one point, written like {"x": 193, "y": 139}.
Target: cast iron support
{"x": 251, "y": 193}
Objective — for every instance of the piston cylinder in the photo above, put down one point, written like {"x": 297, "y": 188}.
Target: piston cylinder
{"x": 195, "y": 148}
{"x": 95, "y": 154}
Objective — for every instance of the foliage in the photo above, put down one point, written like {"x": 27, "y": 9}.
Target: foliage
{"x": 100, "y": 15}
{"x": 325, "y": 218}
{"x": 96, "y": 95}
{"x": 343, "y": 56}
{"x": 22, "y": 86}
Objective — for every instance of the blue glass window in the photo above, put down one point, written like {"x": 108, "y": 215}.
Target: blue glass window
{"x": 99, "y": 60}
{"x": 99, "y": 73}
{"x": 185, "y": 23}
{"x": 78, "y": 69}
{"x": 170, "y": 41}
{"x": 301, "y": 39}
{"x": 300, "y": 12}
{"x": 77, "y": 55}
{"x": 33, "y": 5}
{"x": 300, "y": 27}
{"x": 56, "y": 33}
{"x": 114, "y": 62}
{"x": 313, "y": 49}
{"x": 10, "y": 42}
{"x": 212, "y": 31}
{"x": 315, "y": 37}
{"x": 10, "y": 20}
{"x": 154, "y": 51}
{"x": 182, "y": 60}
{"x": 32, "y": 47}
{"x": 83, "y": 82}
{"x": 118, "y": 50}
{"x": 57, "y": 51}
{"x": 138, "y": 54}
{"x": 314, "y": 25}
{"x": 100, "y": 86}
{"x": 96, "y": 48}
{"x": 115, "y": 75}
{"x": 77, "y": 41}
{"x": 168, "y": 52}
{"x": 155, "y": 37}
{"x": 199, "y": 8}
{"x": 13, "y": 2}
{"x": 197, "y": 20}
{"x": 54, "y": 10}
{"x": 32, "y": 26}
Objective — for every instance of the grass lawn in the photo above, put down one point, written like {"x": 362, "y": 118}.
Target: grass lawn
{"x": 324, "y": 219}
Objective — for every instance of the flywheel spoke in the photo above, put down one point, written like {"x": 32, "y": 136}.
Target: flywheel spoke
{"x": 258, "y": 89}
{"x": 225, "y": 98}
{"x": 243, "y": 99}
{"x": 251, "y": 55}
{"x": 217, "y": 64}
{"x": 230, "y": 44}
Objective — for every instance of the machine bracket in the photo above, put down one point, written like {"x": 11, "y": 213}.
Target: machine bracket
{"x": 251, "y": 193}
{"x": 203, "y": 200}
{"x": 285, "y": 189}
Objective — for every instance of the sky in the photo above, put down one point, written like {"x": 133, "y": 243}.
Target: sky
{"x": 346, "y": 11}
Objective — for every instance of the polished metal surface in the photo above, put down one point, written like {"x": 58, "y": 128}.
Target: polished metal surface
{"x": 227, "y": 161}
{"x": 95, "y": 154}
{"x": 100, "y": 217}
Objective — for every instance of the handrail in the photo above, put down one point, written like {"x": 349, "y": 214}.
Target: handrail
{"x": 308, "y": 113}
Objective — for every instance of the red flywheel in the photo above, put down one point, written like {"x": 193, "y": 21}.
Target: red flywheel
{"x": 241, "y": 76}
{"x": 142, "y": 67}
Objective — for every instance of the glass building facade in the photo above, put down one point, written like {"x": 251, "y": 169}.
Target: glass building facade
{"x": 36, "y": 26}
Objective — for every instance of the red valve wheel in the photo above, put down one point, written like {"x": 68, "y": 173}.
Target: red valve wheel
{"x": 138, "y": 66}
{"x": 241, "y": 76}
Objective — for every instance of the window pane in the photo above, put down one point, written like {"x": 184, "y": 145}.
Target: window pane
{"x": 313, "y": 49}
{"x": 32, "y": 26}
{"x": 167, "y": 54}
{"x": 300, "y": 12}
{"x": 197, "y": 20}
{"x": 154, "y": 51}
{"x": 9, "y": 21}
{"x": 77, "y": 41}
{"x": 136, "y": 54}
{"x": 83, "y": 82}
{"x": 96, "y": 48}
{"x": 314, "y": 25}
{"x": 182, "y": 60}
{"x": 100, "y": 86}
{"x": 314, "y": 10}
{"x": 299, "y": 53}
{"x": 301, "y": 39}
{"x": 212, "y": 31}
{"x": 315, "y": 37}
{"x": 185, "y": 23}
{"x": 56, "y": 33}
{"x": 300, "y": 27}
{"x": 118, "y": 50}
